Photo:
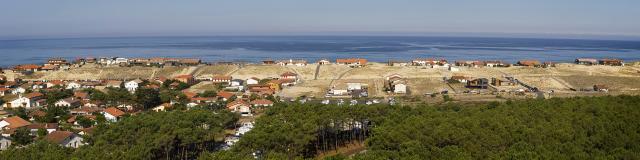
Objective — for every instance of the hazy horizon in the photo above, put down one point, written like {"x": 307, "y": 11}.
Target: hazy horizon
{"x": 580, "y": 19}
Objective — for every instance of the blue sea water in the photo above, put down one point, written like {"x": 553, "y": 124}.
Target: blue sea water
{"x": 312, "y": 48}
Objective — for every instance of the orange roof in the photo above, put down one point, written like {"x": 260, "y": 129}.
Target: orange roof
{"x": 16, "y": 122}
{"x": 352, "y": 60}
{"x": 237, "y": 102}
{"x": 58, "y": 136}
{"x": 27, "y": 66}
{"x": 33, "y": 95}
{"x": 4, "y": 89}
{"x": 81, "y": 94}
{"x": 50, "y": 67}
{"x": 114, "y": 111}
{"x": 224, "y": 94}
{"x": 56, "y": 82}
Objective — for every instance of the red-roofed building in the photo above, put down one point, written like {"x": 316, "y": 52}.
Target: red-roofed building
{"x": 261, "y": 103}
{"x": 221, "y": 79}
{"x": 13, "y": 122}
{"x": 112, "y": 114}
{"x": 240, "y": 106}
{"x": 225, "y": 95}
{"x": 65, "y": 138}
{"x": 353, "y": 62}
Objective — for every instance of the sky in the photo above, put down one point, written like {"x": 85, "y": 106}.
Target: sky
{"x": 95, "y": 18}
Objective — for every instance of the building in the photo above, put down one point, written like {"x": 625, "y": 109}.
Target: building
{"x": 397, "y": 63}
{"x": 31, "y": 100}
{"x": 13, "y": 123}
{"x": 73, "y": 85}
{"x": 113, "y": 84}
{"x": 225, "y": 96}
{"x": 459, "y": 78}
{"x": 132, "y": 86}
{"x": 112, "y": 114}
{"x": 480, "y": 83}
{"x": 5, "y": 143}
{"x": 400, "y": 88}
{"x": 241, "y": 107}
{"x": 68, "y": 102}
{"x": 289, "y": 75}
{"x": 292, "y": 62}
{"x": 220, "y": 79}
{"x": 65, "y": 138}
{"x": 601, "y": 88}
{"x": 253, "y": 80}
{"x": 352, "y": 62}
{"x": 324, "y": 62}
{"x": 611, "y": 62}
{"x": 502, "y": 82}
{"x": 587, "y": 61}
{"x": 26, "y": 67}
{"x": 494, "y": 64}
{"x": 529, "y": 63}
{"x": 188, "y": 79}
{"x": 56, "y": 62}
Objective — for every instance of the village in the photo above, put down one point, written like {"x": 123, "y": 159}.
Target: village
{"x": 79, "y": 87}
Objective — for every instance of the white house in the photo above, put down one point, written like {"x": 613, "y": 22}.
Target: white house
{"x": 23, "y": 102}
{"x": 18, "y": 90}
{"x": 453, "y": 69}
{"x": 65, "y": 138}
{"x": 253, "y": 80}
{"x": 5, "y": 143}
{"x": 236, "y": 82}
{"x": 400, "y": 88}
{"x": 74, "y": 85}
{"x": 132, "y": 86}
{"x": 112, "y": 114}
{"x": 240, "y": 106}
{"x": 68, "y": 102}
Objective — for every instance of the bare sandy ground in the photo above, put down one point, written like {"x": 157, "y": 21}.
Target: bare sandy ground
{"x": 420, "y": 80}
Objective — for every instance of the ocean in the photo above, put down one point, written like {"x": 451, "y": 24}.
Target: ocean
{"x": 312, "y": 48}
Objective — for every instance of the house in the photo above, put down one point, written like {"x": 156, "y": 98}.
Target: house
{"x": 289, "y": 75}
{"x": 26, "y": 67}
{"x": 292, "y": 62}
{"x": 54, "y": 83}
{"x": 352, "y": 62}
{"x": 49, "y": 127}
{"x": 236, "y": 82}
{"x": 502, "y": 82}
{"x": 85, "y": 110}
{"x": 324, "y": 62}
{"x": 188, "y": 79}
{"x": 454, "y": 69}
{"x": 225, "y": 95}
{"x": 494, "y": 64}
{"x": 113, "y": 84}
{"x": 428, "y": 62}
{"x": 18, "y": 90}
{"x": 56, "y": 62}
{"x": 74, "y": 85}
{"x": 13, "y": 123}
{"x": 461, "y": 79}
{"x": 601, "y": 88}
{"x": 397, "y": 63}
{"x": 261, "y": 103}
{"x": 481, "y": 83}
{"x": 611, "y": 62}
{"x": 253, "y": 80}
{"x": 400, "y": 88}
{"x": 5, "y": 143}
{"x": 162, "y": 107}
{"x": 81, "y": 95}
{"x": 65, "y": 138}
{"x": 112, "y": 114}
{"x": 529, "y": 63}
{"x": 241, "y": 107}
{"x": 28, "y": 101}
{"x": 50, "y": 68}
{"x": 132, "y": 86}
{"x": 268, "y": 61}
{"x": 222, "y": 79}
{"x": 587, "y": 61}
{"x": 4, "y": 91}
{"x": 287, "y": 82}
{"x": 68, "y": 102}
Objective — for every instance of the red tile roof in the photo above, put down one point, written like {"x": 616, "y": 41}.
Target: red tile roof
{"x": 58, "y": 136}
{"x": 262, "y": 102}
{"x": 224, "y": 94}
{"x": 16, "y": 122}
{"x": 33, "y": 95}
{"x": 114, "y": 111}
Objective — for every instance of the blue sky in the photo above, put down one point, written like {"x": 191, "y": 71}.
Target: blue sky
{"x": 67, "y": 18}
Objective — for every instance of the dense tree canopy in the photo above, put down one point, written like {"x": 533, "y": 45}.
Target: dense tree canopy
{"x": 573, "y": 128}
{"x": 569, "y": 128}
